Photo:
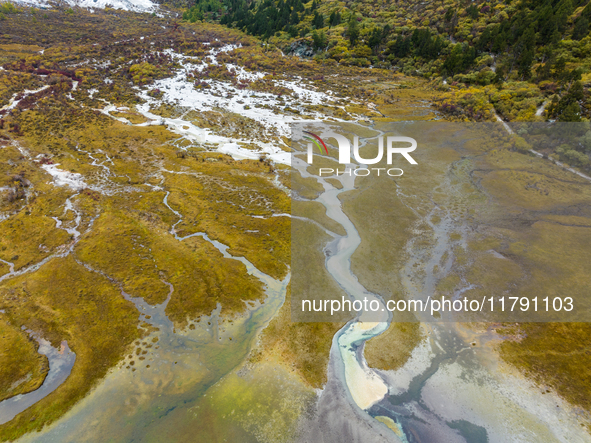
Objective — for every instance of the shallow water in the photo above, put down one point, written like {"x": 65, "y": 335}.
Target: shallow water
{"x": 452, "y": 391}
{"x": 452, "y": 394}
{"x": 61, "y": 361}
{"x": 170, "y": 373}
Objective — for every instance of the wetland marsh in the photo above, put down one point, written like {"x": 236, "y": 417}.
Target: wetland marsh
{"x": 149, "y": 197}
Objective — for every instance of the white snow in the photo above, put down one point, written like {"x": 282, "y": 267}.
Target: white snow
{"x": 36, "y": 3}
{"x": 238, "y": 153}
{"x": 13, "y": 102}
{"x": 265, "y": 108}
{"x": 179, "y": 90}
{"x": 73, "y": 230}
{"x": 65, "y": 178}
{"x": 243, "y": 74}
{"x": 128, "y": 5}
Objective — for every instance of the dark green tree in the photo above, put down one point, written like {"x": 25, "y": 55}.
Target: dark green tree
{"x": 335, "y": 19}
{"x": 318, "y": 20}
{"x": 375, "y": 38}
{"x": 353, "y": 30}
{"x": 319, "y": 39}
{"x": 472, "y": 11}
{"x": 449, "y": 14}
{"x": 581, "y": 28}
{"x": 399, "y": 48}
{"x": 571, "y": 113}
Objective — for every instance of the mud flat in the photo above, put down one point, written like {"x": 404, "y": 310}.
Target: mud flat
{"x": 416, "y": 399}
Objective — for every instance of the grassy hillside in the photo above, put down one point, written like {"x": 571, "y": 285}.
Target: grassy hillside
{"x": 540, "y": 47}
{"x": 527, "y": 60}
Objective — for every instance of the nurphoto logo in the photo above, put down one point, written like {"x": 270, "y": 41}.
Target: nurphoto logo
{"x": 345, "y": 153}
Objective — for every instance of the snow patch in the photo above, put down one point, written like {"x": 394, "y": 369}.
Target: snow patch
{"x": 65, "y": 178}
{"x": 128, "y": 5}
{"x": 264, "y": 108}
{"x": 13, "y": 102}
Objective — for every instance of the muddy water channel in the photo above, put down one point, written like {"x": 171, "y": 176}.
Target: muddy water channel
{"x": 171, "y": 370}
{"x": 449, "y": 391}
{"x": 453, "y": 388}
{"x": 61, "y": 360}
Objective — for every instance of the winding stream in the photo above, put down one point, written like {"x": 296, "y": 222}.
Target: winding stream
{"x": 450, "y": 390}
{"x": 61, "y": 361}
{"x": 170, "y": 369}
